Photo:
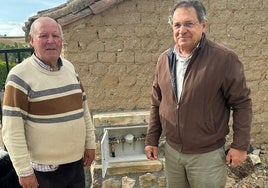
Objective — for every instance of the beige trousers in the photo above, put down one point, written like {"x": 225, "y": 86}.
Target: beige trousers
{"x": 205, "y": 170}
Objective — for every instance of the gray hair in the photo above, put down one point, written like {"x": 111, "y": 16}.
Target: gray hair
{"x": 36, "y": 22}
{"x": 198, "y": 6}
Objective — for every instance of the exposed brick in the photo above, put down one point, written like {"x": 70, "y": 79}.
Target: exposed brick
{"x": 99, "y": 69}
{"x": 218, "y": 29}
{"x": 147, "y": 6}
{"x": 106, "y": 32}
{"x": 142, "y": 57}
{"x": 120, "y": 19}
{"x": 106, "y": 57}
{"x": 125, "y": 57}
{"x": 218, "y": 5}
{"x": 115, "y": 45}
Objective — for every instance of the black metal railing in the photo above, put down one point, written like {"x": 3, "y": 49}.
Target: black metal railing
{"x": 15, "y": 51}
{"x": 20, "y": 55}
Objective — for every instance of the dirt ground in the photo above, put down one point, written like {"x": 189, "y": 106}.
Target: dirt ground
{"x": 258, "y": 178}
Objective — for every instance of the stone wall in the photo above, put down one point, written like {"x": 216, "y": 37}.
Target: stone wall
{"x": 242, "y": 26}
{"x": 115, "y": 52}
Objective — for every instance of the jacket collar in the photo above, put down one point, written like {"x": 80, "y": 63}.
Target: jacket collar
{"x": 200, "y": 45}
{"x": 172, "y": 61}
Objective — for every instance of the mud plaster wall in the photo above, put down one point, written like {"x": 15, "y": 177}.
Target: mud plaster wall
{"x": 115, "y": 52}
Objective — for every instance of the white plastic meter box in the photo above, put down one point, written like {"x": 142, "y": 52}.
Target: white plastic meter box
{"x": 122, "y": 144}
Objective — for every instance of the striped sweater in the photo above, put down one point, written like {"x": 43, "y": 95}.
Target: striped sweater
{"x": 46, "y": 118}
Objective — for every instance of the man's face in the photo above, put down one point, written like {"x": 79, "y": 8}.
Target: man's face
{"x": 47, "y": 41}
{"x": 187, "y": 31}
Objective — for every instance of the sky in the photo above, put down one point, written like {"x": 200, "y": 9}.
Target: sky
{"x": 15, "y": 12}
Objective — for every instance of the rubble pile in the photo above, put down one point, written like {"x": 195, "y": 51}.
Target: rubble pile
{"x": 253, "y": 173}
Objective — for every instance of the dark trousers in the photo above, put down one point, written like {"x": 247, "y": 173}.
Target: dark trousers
{"x": 8, "y": 176}
{"x": 69, "y": 175}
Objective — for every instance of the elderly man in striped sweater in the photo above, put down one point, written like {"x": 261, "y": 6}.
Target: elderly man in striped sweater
{"x": 47, "y": 127}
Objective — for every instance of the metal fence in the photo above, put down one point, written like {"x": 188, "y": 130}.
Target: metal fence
{"x": 19, "y": 54}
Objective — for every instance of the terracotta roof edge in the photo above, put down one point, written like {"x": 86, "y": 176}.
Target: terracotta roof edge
{"x": 101, "y": 6}
{"x": 71, "y": 11}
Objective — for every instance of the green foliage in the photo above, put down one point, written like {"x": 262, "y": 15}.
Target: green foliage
{"x": 15, "y": 45}
{"x": 12, "y": 60}
{"x": 3, "y": 73}
{"x": 12, "y": 57}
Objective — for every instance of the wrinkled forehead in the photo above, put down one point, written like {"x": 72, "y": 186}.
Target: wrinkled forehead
{"x": 185, "y": 14}
{"x": 45, "y": 27}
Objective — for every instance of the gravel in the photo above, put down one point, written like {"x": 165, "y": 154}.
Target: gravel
{"x": 250, "y": 176}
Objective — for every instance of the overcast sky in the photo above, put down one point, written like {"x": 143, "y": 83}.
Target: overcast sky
{"x": 15, "y": 12}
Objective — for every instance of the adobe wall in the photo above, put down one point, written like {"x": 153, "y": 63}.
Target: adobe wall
{"x": 115, "y": 52}
{"x": 115, "y": 55}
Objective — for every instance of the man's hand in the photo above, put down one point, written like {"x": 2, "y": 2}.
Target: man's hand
{"x": 28, "y": 181}
{"x": 151, "y": 152}
{"x": 235, "y": 157}
{"x": 89, "y": 156}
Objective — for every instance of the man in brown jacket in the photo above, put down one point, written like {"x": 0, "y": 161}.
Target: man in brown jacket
{"x": 197, "y": 84}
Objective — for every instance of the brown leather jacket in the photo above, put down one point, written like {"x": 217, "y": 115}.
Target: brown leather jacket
{"x": 214, "y": 84}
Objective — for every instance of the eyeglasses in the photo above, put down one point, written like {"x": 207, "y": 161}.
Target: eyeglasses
{"x": 186, "y": 24}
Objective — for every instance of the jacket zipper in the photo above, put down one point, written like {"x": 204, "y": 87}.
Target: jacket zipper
{"x": 178, "y": 100}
